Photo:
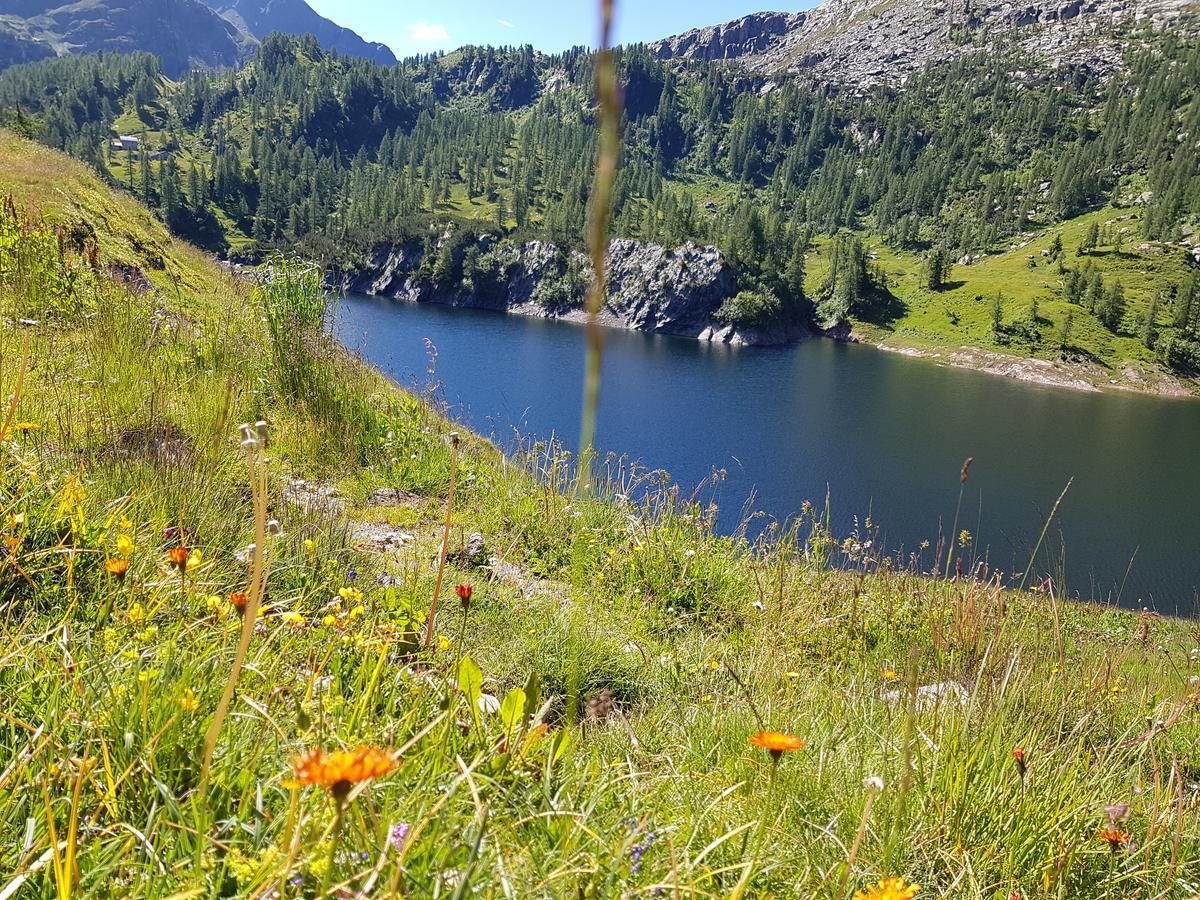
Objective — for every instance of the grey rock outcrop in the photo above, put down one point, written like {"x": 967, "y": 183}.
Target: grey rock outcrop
{"x": 651, "y": 288}
{"x": 865, "y": 42}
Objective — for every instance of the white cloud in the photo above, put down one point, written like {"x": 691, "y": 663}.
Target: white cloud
{"x": 504, "y": 23}
{"x": 427, "y": 34}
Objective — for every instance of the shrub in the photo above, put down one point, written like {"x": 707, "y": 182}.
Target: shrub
{"x": 750, "y": 309}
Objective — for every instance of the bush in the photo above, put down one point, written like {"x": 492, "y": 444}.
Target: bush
{"x": 750, "y": 309}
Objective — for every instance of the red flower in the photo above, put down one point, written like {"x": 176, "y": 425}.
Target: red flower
{"x": 178, "y": 557}
{"x": 464, "y": 592}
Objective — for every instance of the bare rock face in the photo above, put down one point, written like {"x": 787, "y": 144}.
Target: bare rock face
{"x": 651, "y": 288}
{"x": 867, "y": 41}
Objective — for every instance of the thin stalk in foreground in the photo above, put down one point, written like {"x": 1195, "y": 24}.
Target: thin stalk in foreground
{"x": 437, "y": 588}
{"x": 607, "y": 160}
{"x": 1045, "y": 528}
{"x": 253, "y": 441}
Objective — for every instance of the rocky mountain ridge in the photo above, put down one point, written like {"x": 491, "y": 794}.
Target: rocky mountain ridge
{"x": 261, "y": 17}
{"x": 652, "y": 288}
{"x": 868, "y": 42}
{"x": 185, "y": 34}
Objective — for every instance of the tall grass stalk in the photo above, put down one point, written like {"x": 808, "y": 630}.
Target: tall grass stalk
{"x": 607, "y": 160}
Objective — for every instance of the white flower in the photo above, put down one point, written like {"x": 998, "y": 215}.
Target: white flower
{"x": 873, "y": 783}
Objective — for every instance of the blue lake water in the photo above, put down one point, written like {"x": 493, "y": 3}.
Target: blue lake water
{"x": 883, "y": 434}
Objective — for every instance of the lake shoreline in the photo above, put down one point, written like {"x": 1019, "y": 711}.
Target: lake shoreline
{"x": 1074, "y": 376}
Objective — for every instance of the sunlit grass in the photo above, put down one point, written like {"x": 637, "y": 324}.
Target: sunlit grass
{"x": 582, "y": 722}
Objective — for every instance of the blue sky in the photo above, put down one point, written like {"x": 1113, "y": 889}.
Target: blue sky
{"x": 549, "y": 25}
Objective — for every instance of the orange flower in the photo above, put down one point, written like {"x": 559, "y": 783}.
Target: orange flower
{"x": 776, "y": 743}
{"x": 1114, "y": 837}
{"x": 1018, "y": 755}
{"x": 117, "y": 567}
{"x": 178, "y": 557}
{"x": 340, "y": 770}
{"x": 238, "y": 600}
{"x": 464, "y": 592}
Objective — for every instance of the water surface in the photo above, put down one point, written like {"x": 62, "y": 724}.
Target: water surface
{"x": 885, "y": 435}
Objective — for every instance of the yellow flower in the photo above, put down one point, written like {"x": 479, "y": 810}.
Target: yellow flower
{"x": 189, "y": 703}
{"x": 194, "y": 560}
{"x": 125, "y": 523}
{"x": 329, "y": 621}
{"x": 356, "y": 612}
{"x": 136, "y": 614}
{"x": 889, "y": 889}
{"x": 71, "y": 495}
{"x": 351, "y": 594}
{"x": 444, "y": 643}
{"x": 294, "y": 619}
{"x": 309, "y": 547}
{"x": 125, "y": 545}
{"x": 15, "y": 521}
{"x": 216, "y": 606}
{"x": 19, "y": 428}
{"x": 889, "y": 675}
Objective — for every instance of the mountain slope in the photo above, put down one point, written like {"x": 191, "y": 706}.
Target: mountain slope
{"x": 184, "y": 33}
{"x": 261, "y": 17}
{"x": 867, "y": 41}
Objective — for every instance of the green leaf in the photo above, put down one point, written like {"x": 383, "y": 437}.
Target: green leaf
{"x": 470, "y": 682}
{"x": 512, "y": 710}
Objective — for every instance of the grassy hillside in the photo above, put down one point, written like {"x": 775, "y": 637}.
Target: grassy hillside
{"x": 955, "y": 322}
{"x": 588, "y": 724}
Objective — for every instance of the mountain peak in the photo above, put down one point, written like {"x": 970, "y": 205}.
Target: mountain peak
{"x": 261, "y": 17}
{"x": 868, "y": 41}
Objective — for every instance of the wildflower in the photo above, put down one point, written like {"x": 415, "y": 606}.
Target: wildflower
{"x": 136, "y": 614}
{"x": 464, "y": 592}
{"x": 1114, "y": 837}
{"x": 71, "y": 496}
{"x": 194, "y": 559}
{"x": 125, "y": 545}
{"x": 238, "y": 600}
{"x": 117, "y": 567}
{"x": 889, "y": 889}
{"x": 309, "y": 547}
{"x": 873, "y": 783}
{"x": 340, "y": 770}
{"x": 178, "y": 557}
{"x": 639, "y": 850}
{"x": 444, "y": 643}
{"x": 351, "y": 594}
{"x": 776, "y": 743}
{"x": 294, "y": 619}
{"x": 216, "y": 606}
{"x": 189, "y": 703}
{"x": 1018, "y": 755}
{"x": 889, "y": 675}
{"x": 398, "y": 835}
{"x": 964, "y": 538}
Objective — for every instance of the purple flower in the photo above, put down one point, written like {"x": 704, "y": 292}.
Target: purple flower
{"x": 351, "y": 575}
{"x": 398, "y": 835}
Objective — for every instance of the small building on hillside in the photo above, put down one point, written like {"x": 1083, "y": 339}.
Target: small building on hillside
{"x": 127, "y": 142}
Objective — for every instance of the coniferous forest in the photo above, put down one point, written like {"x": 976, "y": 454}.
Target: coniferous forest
{"x": 329, "y": 155}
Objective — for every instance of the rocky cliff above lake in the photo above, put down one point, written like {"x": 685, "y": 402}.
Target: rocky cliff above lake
{"x": 651, "y": 288}
{"x": 866, "y": 41}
